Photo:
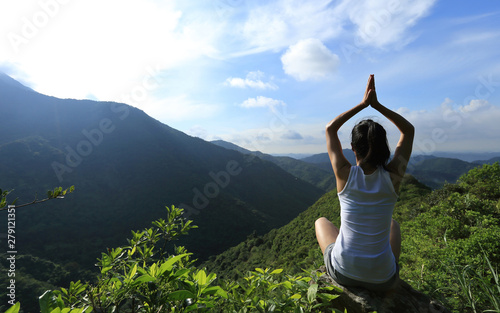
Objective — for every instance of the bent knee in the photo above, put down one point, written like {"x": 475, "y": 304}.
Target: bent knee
{"x": 321, "y": 221}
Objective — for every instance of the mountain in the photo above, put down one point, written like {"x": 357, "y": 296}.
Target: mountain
{"x": 467, "y": 156}
{"x": 322, "y": 160}
{"x": 434, "y": 172}
{"x": 126, "y": 167}
{"x": 430, "y": 170}
{"x": 489, "y": 161}
{"x": 323, "y": 179}
{"x": 232, "y": 146}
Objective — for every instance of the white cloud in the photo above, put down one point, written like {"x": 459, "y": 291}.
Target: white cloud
{"x": 278, "y": 24}
{"x": 381, "y": 23}
{"x": 252, "y": 80}
{"x": 309, "y": 59}
{"x": 262, "y": 102}
{"x": 449, "y": 127}
{"x": 475, "y": 105}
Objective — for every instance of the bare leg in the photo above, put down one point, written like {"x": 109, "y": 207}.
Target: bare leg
{"x": 395, "y": 239}
{"x": 326, "y": 232}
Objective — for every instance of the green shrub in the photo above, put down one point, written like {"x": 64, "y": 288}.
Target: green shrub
{"x": 143, "y": 277}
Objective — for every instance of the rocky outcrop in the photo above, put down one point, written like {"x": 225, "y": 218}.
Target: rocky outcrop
{"x": 403, "y": 299}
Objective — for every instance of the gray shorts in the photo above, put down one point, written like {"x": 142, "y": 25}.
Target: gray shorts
{"x": 346, "y": 281}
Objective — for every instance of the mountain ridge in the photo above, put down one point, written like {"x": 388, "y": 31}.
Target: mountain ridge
{"x": 298, "y": 168}
{"x": 126, "y": 167}
{"x": 431, "y": 170}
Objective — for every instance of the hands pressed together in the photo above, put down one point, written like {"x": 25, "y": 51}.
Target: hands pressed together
{"x": 370, "y": 97}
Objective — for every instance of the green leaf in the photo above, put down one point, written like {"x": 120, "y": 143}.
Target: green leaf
{"x": 287, "y": 284}
{"x": 153, "y": 270}
{"x": 215, "y": 290}
{"x": 327, "y": 296}
{"x": 133, "y": 271}
{"x": 192, "y": 307}
{"x": 131, "y": 252}
{"x": 277, "y": 271}
{"x": 302, "y": 284}
{"x": 143, "y": 279}
{"x": 181, "y": 272}
{"x": 201, "y": 278}
{"x": 296, "y": 296}
{"x": 169, "y": 264}
{"x": 332, "y": 288}
{"x": 15, "y": 308}
{"x": 258, "y": 269}
{"x": 181, "y": 295}
{"x": 311, "y": 292}
{"x": 49, "y": 301}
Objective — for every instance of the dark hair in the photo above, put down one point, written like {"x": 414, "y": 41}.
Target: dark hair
{"x": 369, "y": 141}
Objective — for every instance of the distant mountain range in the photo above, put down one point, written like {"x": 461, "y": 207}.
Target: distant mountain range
{"x": 126, "y": 167}
{"x": 430, "y": 170}
{"x": 306, "y": 171}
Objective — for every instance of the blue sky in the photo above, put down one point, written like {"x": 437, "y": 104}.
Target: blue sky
{"x": 269, "y": 75}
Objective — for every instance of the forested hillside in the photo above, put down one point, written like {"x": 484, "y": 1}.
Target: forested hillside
{"x": 126, "y": 166}
{"x": 451, "y": 239}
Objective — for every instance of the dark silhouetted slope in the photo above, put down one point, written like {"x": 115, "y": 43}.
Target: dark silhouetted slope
{"x": 126, "y": 167}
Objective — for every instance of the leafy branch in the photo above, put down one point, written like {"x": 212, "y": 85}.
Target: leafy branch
{"x": 57, "y": 193}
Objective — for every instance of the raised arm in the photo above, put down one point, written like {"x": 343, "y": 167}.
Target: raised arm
{"x": 339, "y": 162}
{"x": 397, "y": 166}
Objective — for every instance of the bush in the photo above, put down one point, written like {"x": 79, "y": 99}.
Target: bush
{"x": 143, "y": 277}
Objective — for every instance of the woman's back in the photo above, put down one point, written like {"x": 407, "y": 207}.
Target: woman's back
{"x": 363, "y": 251}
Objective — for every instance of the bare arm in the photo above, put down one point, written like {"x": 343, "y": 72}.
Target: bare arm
{"x": 339, "y": 162}
{"x": 398, "y": 164}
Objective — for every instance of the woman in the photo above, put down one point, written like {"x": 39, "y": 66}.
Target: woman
{"x": 365, "y": 251}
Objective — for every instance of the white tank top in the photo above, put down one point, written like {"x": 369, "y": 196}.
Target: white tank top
{"x": 362, "y": 250}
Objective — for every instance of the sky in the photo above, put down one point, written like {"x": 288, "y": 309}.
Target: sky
{"x": 269, "y": 75}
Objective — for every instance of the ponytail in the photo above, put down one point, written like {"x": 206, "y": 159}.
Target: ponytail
{"x": 369, "y": 141}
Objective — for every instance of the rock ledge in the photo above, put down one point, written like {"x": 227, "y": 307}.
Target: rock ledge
{"x": 403, "y": 299}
